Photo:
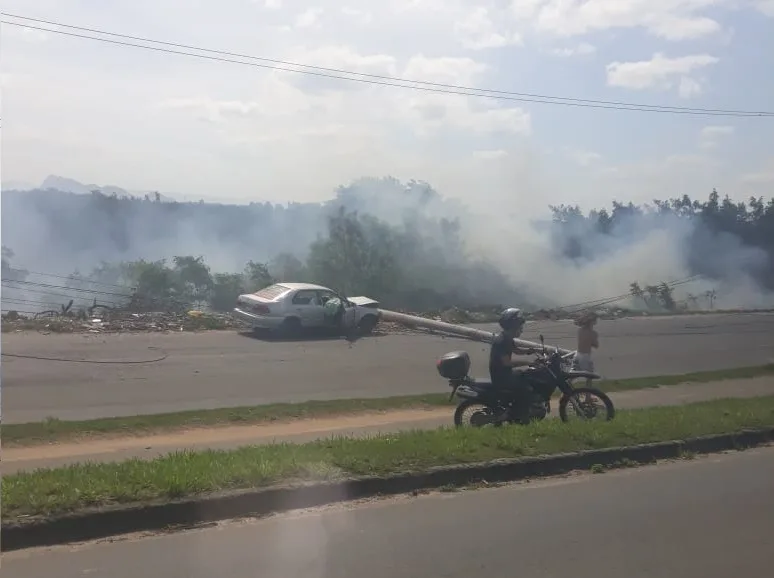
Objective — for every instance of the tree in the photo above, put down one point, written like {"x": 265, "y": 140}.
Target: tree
{"x": 226, "y": 288}
{"x": 10, "y": 273}
{"x": 636, "y": 291}
{"x": 288, "y": 267}
{"x": 157, "y": 286}
{"x": 193, "y": 276}
{"x": 405, "y": 243}
{"x": 7, "y": 256}
{"x": 257, "y": 276}
{"x": 358, "y": 256}
{"x": 652, "y": 299}
{"x": 710, "y": 295}
{"x": 665, "y": 296}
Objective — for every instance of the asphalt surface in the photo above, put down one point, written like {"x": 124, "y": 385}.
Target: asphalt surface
{"x": 150, "y": 447}
{"x": 220, "y": 369}
{"x": 707, "y": 518}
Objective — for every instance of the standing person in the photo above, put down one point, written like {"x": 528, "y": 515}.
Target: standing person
{"x": 588, "y": 339}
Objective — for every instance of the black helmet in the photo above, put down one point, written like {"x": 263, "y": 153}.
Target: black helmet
{"x": 512, "y": 318}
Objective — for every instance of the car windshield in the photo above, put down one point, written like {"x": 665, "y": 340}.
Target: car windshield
{"x": 271, "y": 292}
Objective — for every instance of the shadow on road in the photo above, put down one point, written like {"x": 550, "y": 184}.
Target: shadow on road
{"x": 304, "y": 335}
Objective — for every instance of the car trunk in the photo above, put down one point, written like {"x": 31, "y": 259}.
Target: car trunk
{"x": 260, "y": 302}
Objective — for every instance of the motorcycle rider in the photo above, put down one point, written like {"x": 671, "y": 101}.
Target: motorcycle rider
{"x": 502, "y": 363}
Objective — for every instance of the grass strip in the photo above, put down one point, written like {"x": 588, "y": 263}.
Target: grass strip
{"x": 67, "y": 489}
{"x": 55, "y": 430}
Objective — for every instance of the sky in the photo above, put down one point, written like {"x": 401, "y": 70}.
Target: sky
{"x": 149, "y": 121}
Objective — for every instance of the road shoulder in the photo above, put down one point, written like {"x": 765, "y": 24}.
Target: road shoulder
{"x": 305, "y": 430}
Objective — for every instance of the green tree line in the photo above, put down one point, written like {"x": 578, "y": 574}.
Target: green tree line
{"x": 412, "y": 258}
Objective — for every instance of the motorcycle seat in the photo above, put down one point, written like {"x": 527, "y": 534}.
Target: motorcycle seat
{"x": 482, "y": 382}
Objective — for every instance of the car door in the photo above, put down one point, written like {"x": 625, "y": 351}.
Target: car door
{"x": 307, "y": 306}
{"x": 324, "y": 296}
{"x": 349, "y": 312}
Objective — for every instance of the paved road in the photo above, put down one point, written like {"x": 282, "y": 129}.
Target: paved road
{"x": 219, "y": 369}
{"x": 708, "y": 518}
{"x": 229, "y": 438}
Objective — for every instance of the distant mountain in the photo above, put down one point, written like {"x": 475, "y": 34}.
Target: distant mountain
{"x": 68, "y": 185}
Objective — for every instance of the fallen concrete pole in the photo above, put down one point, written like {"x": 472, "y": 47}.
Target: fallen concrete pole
{"x": 456, "y": 330}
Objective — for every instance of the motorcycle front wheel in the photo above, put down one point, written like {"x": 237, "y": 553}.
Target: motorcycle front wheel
{"x": 587, "y": 403}
{"x": 471, "y": 413}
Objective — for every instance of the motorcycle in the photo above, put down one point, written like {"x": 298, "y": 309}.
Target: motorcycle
{"x": 484, "y": 404}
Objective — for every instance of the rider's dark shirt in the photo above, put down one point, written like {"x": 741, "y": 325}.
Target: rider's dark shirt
{"x": 500, "y": 374}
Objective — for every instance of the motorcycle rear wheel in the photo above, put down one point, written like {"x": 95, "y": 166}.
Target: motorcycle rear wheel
{"x": 472, "y": 413}
{"x": 589, "y": 410}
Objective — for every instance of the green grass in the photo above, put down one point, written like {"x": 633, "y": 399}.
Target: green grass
{"x": 56, "y": 491}
{"x": 54, "y": 430}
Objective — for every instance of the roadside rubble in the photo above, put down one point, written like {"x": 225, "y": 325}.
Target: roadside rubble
{"x": 123, "y": 321}
{"x": 602, "y": 313}
{"x": 458, "y": 315}
{"x": 119, "y": 322}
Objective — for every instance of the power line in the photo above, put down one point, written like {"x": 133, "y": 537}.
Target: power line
{"x": 50, "y": 293}
{"x": 339, "y": 74}
{"x": 27, "y": 302}
{"x": 47, "y": 285}
{"x": 74, "y": 278}
{"x": 609, "y": 300}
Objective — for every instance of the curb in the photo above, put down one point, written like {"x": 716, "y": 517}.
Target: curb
{"x": 114, "y": 521}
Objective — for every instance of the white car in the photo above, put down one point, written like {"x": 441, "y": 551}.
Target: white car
{"x": 289, "y": 307}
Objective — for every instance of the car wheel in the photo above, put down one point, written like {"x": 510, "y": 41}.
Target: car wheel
{"x": 367, "y": 324}
{"x": 291, "y": 326}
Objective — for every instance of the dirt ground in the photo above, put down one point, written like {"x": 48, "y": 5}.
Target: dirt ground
{"x": 303, "y": 430}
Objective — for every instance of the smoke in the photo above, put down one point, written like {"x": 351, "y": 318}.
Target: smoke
{"x": 508, "y": 254}
{"x": 576, "y": 263}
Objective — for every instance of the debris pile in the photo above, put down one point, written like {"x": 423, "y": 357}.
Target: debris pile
{"x": 392, "y": 328}
{"x": 463, "y": 316}
{"x": 115, "y": 321}
{"x": 602, "y": 313}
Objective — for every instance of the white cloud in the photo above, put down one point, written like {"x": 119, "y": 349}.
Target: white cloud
{"x": 710, "y": 136}
{"x": 285, "y": 97}
{"x": 342, "y": 57}
{"x": 477, "y": 31}
{"x": 282, "y": 135}
{"x": 765, "y": 7}
{"x": 446, "y": 70}
{"x": 689, "y": 87}
{"x": 497, "y": 23}
{"x": 763, "y": 176}
{"x": 431, "y": 113}
{"x": 309, "y": 17}
{"x": 669, "y": 19}
{"x": 578, "y": 50}
{"x": 361, "y": 16}
{"x": 29, "y": 35}
{"x": 585, "y": 158}
{"x": 660, "y": 73}
{"x": 678, "y": 28}
{"x": 489, "y": 155}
